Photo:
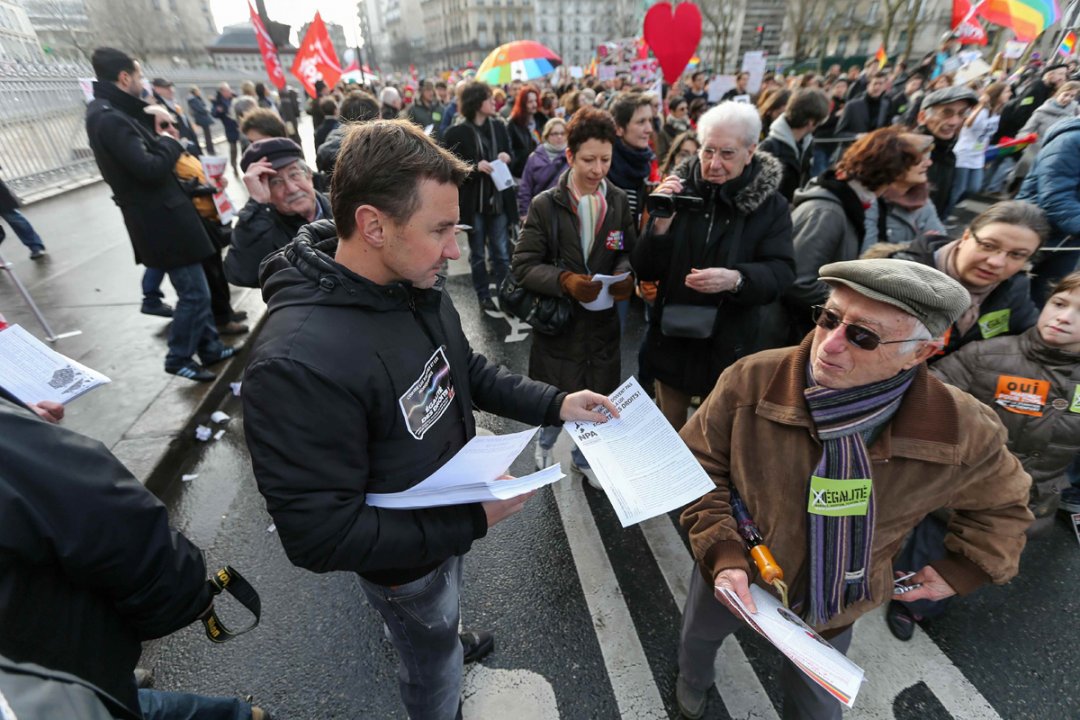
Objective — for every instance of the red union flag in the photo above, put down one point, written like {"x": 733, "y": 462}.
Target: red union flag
{"x": 316, "y": 58}
{"x": 966, "y": 27}
{"x": 269, "y": 52}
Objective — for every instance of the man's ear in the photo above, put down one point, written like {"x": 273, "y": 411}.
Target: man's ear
{"x": 927, "y": 351}
{"x": 370, "y": 225}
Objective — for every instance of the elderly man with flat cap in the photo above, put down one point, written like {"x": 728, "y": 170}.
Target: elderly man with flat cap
{"x": 282, "y": 200}
{"x": 852, "y": 407}
{"x": 941, "y": 115}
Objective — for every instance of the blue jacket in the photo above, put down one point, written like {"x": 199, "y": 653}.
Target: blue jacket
{"x": 1054, "y": 181}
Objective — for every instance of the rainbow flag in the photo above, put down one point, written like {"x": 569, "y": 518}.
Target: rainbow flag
{"x": 1067, "y": 45}
{"x": 1009, "y": 146}
{"x": 1027, "y": 18}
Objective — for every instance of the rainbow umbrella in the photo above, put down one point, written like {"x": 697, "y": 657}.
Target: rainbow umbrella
{"x": 518, "y": 60}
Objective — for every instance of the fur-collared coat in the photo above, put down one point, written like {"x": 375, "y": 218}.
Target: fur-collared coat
{"x": 745, "y": 225}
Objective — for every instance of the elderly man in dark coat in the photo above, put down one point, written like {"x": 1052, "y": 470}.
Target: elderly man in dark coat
{"x": 137, "y": 162}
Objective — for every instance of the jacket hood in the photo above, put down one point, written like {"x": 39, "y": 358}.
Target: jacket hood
{"x": 1051, "y": 108}
{"x": 304, "y": 273}
{"x": 1061, "y": 128}
{"x": 915, "y": 197}
{"x": 782, "y": 132}
{"x": 759, "y": 180}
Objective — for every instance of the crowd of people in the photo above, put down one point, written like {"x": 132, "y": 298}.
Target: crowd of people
{"x": 816, "y": 315}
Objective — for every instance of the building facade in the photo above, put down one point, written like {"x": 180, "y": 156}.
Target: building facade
{"x": 62, "y": 26}
{"x": 237, "y": 49}
{"x": 18, "y": 39}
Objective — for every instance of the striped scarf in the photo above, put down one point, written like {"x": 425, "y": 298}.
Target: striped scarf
{"x": 840, "y": 547}
{"x": 591, "y": 210}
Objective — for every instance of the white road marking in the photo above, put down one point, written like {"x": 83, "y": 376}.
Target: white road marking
{"x": 519, "y": 694}
{"x": 628, "y": 670}
{"x": 742, "y": 692}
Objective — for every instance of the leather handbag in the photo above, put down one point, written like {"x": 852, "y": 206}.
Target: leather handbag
{"x": 546, "y": 314}
{"x": 688, "y": 321}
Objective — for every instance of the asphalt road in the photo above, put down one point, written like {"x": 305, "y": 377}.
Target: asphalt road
{"x": 586, "y": 614}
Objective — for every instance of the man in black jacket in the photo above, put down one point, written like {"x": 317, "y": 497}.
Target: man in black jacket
{"x": 942, "y": 114}
{"x": 89, "y": 567}
{"x": 165, "y": 94}
{"x": 282, "y": 199}
{"x": 364, "y": 382}
{"x": 868, "y": 111}
{"x": 791, "y": 135}
{"x": 136, "y": 159}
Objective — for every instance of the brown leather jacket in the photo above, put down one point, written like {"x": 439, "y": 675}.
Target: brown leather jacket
{"x": 942, "y": 449}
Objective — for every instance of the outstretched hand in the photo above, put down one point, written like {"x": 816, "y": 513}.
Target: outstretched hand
{"x": 933, "y": 587}
{"x": 582, "y": 405}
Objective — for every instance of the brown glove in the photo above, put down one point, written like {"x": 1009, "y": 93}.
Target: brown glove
{"x": 580, "y": 287}
{"x": 622, "y": 289}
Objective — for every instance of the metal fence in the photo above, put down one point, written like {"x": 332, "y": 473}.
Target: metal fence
{"x": 43, "y": 143}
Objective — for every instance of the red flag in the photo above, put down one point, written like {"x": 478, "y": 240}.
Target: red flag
{"x": 316, "y": 58}
{"x": 269, "y": 52}
{"x": 967, "y": 29}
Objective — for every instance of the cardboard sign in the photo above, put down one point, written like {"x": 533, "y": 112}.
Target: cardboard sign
{"x": 719, "y": 85}
{"x": 214, "y": 167}
{"x": 1024, "y": 396}
{"x": 754, "y": 62}
{"x": 839, "y": 498}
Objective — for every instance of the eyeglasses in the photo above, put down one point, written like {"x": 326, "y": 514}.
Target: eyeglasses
{"x": 857, "y": 335}
{"x": 726, "y": 154}
{"x": 989, "y": 248}
{"x": 166, "y": 124}
{"x": 294, "y": 177}
{"x": 950, "y": 113}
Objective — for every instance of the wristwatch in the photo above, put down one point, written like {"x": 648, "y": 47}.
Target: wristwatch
{"x": 738, "y": 284}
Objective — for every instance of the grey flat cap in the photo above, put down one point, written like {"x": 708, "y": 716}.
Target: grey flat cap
{"x": 948, "y": 95}
{"x": 919, "y": 290}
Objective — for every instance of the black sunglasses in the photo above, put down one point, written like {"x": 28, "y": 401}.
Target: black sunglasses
{"x": 857, "y": 335}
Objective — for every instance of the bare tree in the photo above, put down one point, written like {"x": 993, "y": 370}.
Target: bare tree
{"x": 68, "y": 20}
{"x": 720, "y": 17}
{"x": 806, "y": 19}
{"x": 914, "y": 17}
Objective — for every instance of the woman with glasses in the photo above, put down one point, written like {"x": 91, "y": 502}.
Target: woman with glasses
{"x": 544, "y": 166}
{"x": 989, "y": 260}
{"x": 677, "y": 122}
{"x": 905, "y": 205}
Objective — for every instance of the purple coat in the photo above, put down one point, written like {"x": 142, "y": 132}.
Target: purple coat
{"x": 540, "y": 174}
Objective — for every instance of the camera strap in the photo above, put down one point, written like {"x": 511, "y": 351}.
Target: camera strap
{"x": 228, "y": 580}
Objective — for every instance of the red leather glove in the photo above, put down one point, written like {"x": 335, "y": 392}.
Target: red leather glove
{"x": 580, "y": 287}
{"x": 622, "y": 289}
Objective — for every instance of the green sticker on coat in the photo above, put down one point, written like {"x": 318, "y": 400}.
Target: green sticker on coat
{"x": 839, "y": 498}
{"x": 995, "y": 323}
{"x": 1075, "y": 407}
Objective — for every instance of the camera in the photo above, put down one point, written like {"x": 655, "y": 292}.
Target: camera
{"x": 661, "y": 205}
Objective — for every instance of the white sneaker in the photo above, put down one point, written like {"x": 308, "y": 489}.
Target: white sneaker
{"x": 543, "y": 457}
{"x": 588, "y": 474}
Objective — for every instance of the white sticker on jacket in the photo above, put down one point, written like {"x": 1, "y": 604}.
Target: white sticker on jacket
{"x": 429, "y": 397}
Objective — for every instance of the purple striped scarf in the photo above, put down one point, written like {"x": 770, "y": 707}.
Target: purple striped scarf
{"x": 840, "y": 546}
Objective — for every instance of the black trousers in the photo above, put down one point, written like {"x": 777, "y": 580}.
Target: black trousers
{"x": 220, "y": 295}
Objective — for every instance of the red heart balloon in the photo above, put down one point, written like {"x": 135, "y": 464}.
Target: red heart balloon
{"x": 673, "y": 36}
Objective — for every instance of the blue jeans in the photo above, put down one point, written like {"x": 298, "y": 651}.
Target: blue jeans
{"x": 547, "y": 437}
{"x": 192, "y": 329}
{"x": 422, "y": 619}
{"x": 966, "y": 180}
{"x": 821, "y": 159}
{"x": 151, "y": 286}
{"x": 999, "y": 172}
{"x": 489, "y": 233}
{"x": 158, "y": 705}
{"x": 23, "y": 229}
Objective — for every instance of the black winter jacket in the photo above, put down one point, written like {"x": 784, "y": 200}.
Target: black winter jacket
{"x": 855, "y": 119}
{"x": 941, "y": 173}
{"x": 746, "y": 226}
{"x": 260, "y": 231}
{"x": 1011, "y": 299}
{"x": 89, "y": 567}
{"x": 164, "y": 228}
{"x": 463, "y": 140}
{"x": 354, "y": 388}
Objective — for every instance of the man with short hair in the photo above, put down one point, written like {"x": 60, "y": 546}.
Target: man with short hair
{"x": 632, "y": 159}
{"x": 1019, "y": 110}
{"x": 260, "y": 124}
{"x": 282, "y": 199}
{"x": 479, "y": 140}
{"x": 868, "y": 111}
{"x": 363, "y": 382}
{"x": 858, "y": 416}
{"x": 941, "y": 115}
{"x": 136, "y": 158}
{"x": 792, "y": 134}
{"x": 696, "y": 90}
{"x": 329, "y": 108}
{"x": 426, "y": 111}
{"x": 358, "y": 106}
{"x": 742, "y": 80}
{"x": 442, "y": 93}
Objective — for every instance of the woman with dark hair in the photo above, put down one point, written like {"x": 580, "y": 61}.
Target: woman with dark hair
{"x": 683, "y": 147}
{"x": 544, "y": 166}
{"x": 905, "y": 204}
{"x": 526, "y": 122}
{"x": 578, "y": 228}
{"x": 772, "y": 106}
{"x": 830, "y": 218}
{"x": 677, "y": 122}
{"x": 263, "y": 99}
{"x": 479, "y": 140}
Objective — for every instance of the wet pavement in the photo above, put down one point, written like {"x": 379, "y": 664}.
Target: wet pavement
{"x": 586, "y": 614}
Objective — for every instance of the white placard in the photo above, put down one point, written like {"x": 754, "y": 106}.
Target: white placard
{"x": 718, "y": 86}
{"x": 500, "y": 175}
{"x": 34, "y": 372}
{"x": 214, "y": 167}
{"x": 754, "y": 63}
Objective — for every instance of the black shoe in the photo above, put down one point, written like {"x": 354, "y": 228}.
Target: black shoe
{"x": 488, "y": 304}
{"x": 232, "y": 328}
{"x": 192, "y": 371}
{"x": 239, "y": 316}
{"x": 900, "y": 620}
{"x": 161, "y": 310}
{"x": 37, "y": 254}
{"x": 225, "y": 354}
{"x": 477, "y": 644}
{"x": 144, "y": 678}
